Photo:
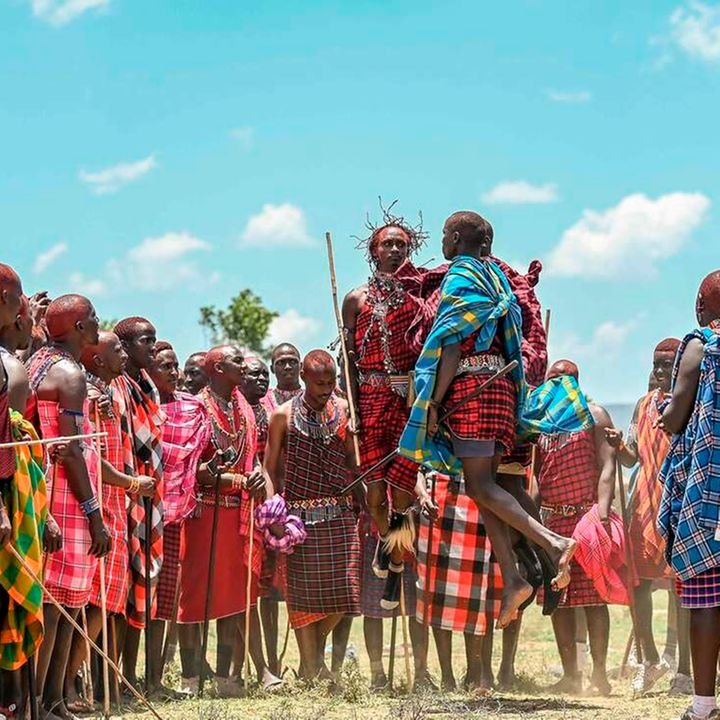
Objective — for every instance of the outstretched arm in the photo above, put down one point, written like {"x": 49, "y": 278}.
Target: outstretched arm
{"x": 605, "y": 456}
{"x": 627, "y": 453}
{"x": 678, "y": 412}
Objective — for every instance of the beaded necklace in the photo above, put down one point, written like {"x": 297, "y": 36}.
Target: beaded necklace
{"x": 219, "y": 417}
{"x": 39, "y": 364}
{"x": 282, "y": 396}
{"x": 322, "y": 425}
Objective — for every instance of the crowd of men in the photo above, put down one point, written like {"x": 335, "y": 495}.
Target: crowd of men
{"x": 445, "y": 474}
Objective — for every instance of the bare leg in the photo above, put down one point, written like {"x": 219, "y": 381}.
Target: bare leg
{"x": 683, "y": 638}
{"x": 189, "y": 637}
{"x": 52, "y": 618}
{"x": 373, "y": 631}
{"x": 53, "y": 699}
{"x": 225, "y": 638}
{"x": 511, "y": 635}
{"x": 130, "y": 653}
{"x": 644, "y": 615}
{"x": 705, "y": 648}
{"x": 598, "y": 620}
{"x": 474, "y": 662}
{"x": 417, "y": 640}
{"x": 671, "y": 628}
{"x": 377, "y": 503}
{"x": 157, "y": 638}
{"x": 257, "y": 654}
{"x": 78, "y": 653}
{"x": 269, "y": 614}
{"x": 443, "y": 643}
{"x": 340, "y": 637}
{"x": 563, "y": 621}
{"x": 486, "y": 657}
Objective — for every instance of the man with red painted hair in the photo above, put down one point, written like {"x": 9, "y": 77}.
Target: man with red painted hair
{"x": 648, "y": 445}
{"x": 61, "y": 408}
{"x": 689, "y": 518}
{"x": 308, "y": 459}
{"x": 378, "y": 319}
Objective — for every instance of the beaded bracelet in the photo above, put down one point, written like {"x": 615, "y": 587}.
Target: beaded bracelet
{"x": 89, "y": 506}
{"x": 238, "y": 482}
{"x": 134, "y": 485}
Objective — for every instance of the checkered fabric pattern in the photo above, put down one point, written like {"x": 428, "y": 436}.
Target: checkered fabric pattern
{"x": 299, "y": 619}
{"x": 25, "y": 498}
{"x": 323, "y": 573}
{"x": 701, "y": 591}
{"x": 273, "y": 577}
{"x": 168, "y": 582}
{"x": 465, "y": 584}
{"x": 690, "y": 506}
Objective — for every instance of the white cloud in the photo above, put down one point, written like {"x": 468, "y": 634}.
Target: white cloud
{"x": 90, "y": 287}
{"x": 520, "y": 192}
{"x": 61, "y": 12}
{"x": 695, "y": 28}
{"x": 606, "y": 342}
{"x": 277, "y": 226}
{"x": 630, "y": 238}
{"x": 112, "y": 179}
{"x": 159, "y": 263}
{"x": 292, "y": 327}
{"x": 571, "y": 98}
{"x": 45, "y": 259}
{"x": 244, "y": 135}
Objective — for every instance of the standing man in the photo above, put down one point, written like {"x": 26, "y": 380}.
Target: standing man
{"x": 648, "y": 445}
{"x": 477, "y": 331}
{"x": 690, "y": 511}
{"x": 195, "y": 377}
{"x": 228, "y": 463}
{"x": 309, "y": 456}
{"x": 142, "y": 440}
{"x": 377, "y": 319}
{"x": 285, "y": 366}
{"x": 576, "y": 471}
{"x": 58, "y": 380}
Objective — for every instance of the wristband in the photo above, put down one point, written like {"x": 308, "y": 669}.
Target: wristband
{"x": 238, "y": 482}
{"x": 134, "y": 486}
{"x": 89, "y": 506}
{"x": 434, "y": 403}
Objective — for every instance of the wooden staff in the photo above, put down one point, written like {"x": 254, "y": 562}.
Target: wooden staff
{"x": 103, "y": 589}
{"x": 406, "y": 638}
{"x": 343, "y": 348}
{"x": 248, "y": 595}
{"x": 116, "y": 655}
{"x": 211, "y": 578}
{"x": 393, "y": 639}
{"x": 32, "y": 688}
{"x": 49, "y": 596}
{"x": 51, "y": 502}
{"x": 629, "y": 560}
{"x": 148, "y": 594}
{"x": 87, "y": 664}
{"x": 426, "y": 584}
{"x": 548, "y": 314}
{"x": 52, "y": 440}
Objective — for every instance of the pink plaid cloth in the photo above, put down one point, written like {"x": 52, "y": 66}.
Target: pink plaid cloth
{"x": 68, "y": 573}
{"x": 185, "y": 435}
{"x": 272, "y": 511}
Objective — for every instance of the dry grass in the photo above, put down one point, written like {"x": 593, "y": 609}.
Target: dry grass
{"x": 536, "y": 657}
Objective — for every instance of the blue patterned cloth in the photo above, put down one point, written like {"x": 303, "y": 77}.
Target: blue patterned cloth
{"x": 475, "y": 295}
{"x": 689, "y": 514}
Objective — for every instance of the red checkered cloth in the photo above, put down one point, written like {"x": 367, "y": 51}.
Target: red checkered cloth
{"x": 653, "y": 445}
{"x": 323, "y": 572}
{"x": 262, "y": 420}
{"x": 170, "y": 573}
{"x": 185, "y": 435}
{"x": 68, "y": 573}
{"x": 701, "y": 591}
{"x": 383, "y": 414}
{"x": 300, "y": 619}
{"x": 491, "y": 415}
{"x": 465, "y": 583}
{"x": 117, "y": 570}
{"x": 569, "y": 476}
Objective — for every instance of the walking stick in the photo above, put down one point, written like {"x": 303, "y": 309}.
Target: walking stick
{"x": 87, "y": 664}
{"x": 32, "y": 689}
{"x": 116, "y": 656}
{"x": 393, "y": 638}
{"x": 103, "y": 589}
{"x": 248, "y": 595}
{"x": 629, "y": 560}
{"x": 343, "y": 348}
{"x": 211, "y": 578}
{"x": 148, "y": 596}
{"x": 405, "y": 633}
{"x": 426, "y": 583}
{"x": 53, "y": 601}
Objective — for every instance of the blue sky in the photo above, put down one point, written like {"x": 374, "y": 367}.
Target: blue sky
{"x": 162, "y": 155}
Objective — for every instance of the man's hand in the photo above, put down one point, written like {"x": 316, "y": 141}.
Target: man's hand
{"x": 5, "y": 527}
{"x": 38, "y": 306}
{"x": 607, "y": 525}
{"x": 277, "y": 530}
{"x": 99, "y": 536}
{"x": 432, "y": 421}
{"x": 147, "y": 486}
{"x": 614, "y": 437}
{"x": 58, "y": 453}
{"x": 255, "y": 485}
{"x": 52, "y": 538}
{"x": 100, "y": 402}
{"x": 428, "y": 508}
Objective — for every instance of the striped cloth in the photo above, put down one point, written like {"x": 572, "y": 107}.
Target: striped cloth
{"x": 690, "y": 506}
{"x": 142, "y": 443}
{"x": 170, "y": 573}
{"x": 465, "y": 583}
{"x": 25, "y": 498}
{"x": 700, "y": 591}
{"x": 475, "y": 296}
{"x": 652, "y": 447}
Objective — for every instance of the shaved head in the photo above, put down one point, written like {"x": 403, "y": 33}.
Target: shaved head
{"x": 563, "y": 367}
{"x": 318, "y": 361}
{"x": 106, "y": 358}
{"x": 64, "y": 313}
{"x": 669, "y": 345}
{"x": 708, "y": 299}
{"x": 9, "y": 278}
{"x": 217, "y": 356}
{"x": 10, "y": 294}
{"x": 283, "y": 348}
{"x": 471, "y": 226}
{"x": 129, "y": 328}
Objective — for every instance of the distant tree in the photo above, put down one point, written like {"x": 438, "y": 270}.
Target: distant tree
{"x": 108, "y": 324}
{"x": 246, "y": 322}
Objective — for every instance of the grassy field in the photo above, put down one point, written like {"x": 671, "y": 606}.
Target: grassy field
{"x": 536, "y": 657}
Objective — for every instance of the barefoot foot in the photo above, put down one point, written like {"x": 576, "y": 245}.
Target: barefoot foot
{"x": 514, "y": 595}
{"x": 562, "y": 579}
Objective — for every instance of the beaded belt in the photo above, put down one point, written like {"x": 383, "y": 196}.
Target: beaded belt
{"x": 485, "y": 363}
{"x": 318, "y": 510}
{"x": 398, "y": 383}
{"x": 224, "y": 501}
{"x": 566, "y": 510}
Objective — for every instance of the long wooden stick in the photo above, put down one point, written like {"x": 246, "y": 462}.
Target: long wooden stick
{"x": 52, "y": 440}
{"x": 393, "y": 641}
{"x": 49, "y": 596}
{"x": 406, "y": 636}
{"x": 343, "y": 347}
{"x": 426, "y": 583}
{"x": 116, "y": 655}
{"x": 103, "y": 589}
{"x": 87, "y": 664}
{"x": 148, "y": 595}
{"x": 248, "y": 595}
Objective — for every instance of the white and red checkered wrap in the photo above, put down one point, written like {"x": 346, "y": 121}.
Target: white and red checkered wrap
{"x": 272, "y": 512}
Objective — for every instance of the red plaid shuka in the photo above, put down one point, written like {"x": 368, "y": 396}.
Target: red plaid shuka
{"x": 652, "y": 447}
{"x": 117, "y": 566}
{"x": 142, "y": 445}
{"x": 491, "y": 415}
{"x": 323, "y": 573}
{"x": 465, "y": 582}
{"x": 569, "y": 476}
